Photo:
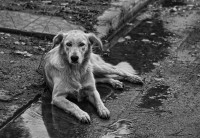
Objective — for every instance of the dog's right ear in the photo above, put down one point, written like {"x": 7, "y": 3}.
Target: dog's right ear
{"x": 94, "y": 40}
{"x": 57, "y": 40}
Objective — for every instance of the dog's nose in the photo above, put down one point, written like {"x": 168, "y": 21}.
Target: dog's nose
{"x": 74, "y": 59}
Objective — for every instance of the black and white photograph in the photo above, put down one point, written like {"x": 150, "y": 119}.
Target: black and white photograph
{"x": 99, "y": 68}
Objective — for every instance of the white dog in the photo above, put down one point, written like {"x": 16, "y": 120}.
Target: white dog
{"x": 70, "y": 68}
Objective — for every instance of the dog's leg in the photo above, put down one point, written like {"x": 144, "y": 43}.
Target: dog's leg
{"x": 95, "y": 99}
{"x": 71, "y": 108}
{"x": 115, "y": 83}
{"x": 59, "y": 95}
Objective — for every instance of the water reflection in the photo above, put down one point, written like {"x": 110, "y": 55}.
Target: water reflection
{"x": 28, "y": 124}
{"x": 43, "y": 120}
{"x": 59, "y": 124}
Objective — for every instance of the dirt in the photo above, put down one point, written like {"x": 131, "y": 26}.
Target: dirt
{"x": 19, "y": 81}
{"x": 163, "y": 49}
{"x": 80, "y": 12}
{"x": 169, "y": 102}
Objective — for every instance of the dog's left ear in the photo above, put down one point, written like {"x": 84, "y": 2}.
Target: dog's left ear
{"x": 57, "y": 40}
{"x": 94, "y": 40}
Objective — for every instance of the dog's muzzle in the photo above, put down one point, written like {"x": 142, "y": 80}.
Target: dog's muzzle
{"x": 74, "y": 59}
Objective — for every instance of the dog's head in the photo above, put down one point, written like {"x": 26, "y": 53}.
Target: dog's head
{"x": 76, "y": 45}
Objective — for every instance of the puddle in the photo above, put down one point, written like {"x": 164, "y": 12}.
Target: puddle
{"x": 45, "y": 120}
{"x": 154, "y": 96}
{"x": 146, "y": 44}
{"x": 170, "y": 3}
{"x": 118, "y": 129}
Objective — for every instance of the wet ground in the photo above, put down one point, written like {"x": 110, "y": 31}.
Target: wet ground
{"x": 19, "y": 81}
{"x": 45, "y": 120}
{"x": 164, "y": 49}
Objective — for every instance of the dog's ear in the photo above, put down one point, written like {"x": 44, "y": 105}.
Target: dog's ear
{"x": 94, "y": 40}
{"x": 57, "y": 40}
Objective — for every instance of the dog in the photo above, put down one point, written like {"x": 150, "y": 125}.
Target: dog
{"x": 71, "y": 69}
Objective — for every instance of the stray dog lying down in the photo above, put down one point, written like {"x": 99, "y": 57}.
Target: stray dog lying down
{"x": 70, "y": 67}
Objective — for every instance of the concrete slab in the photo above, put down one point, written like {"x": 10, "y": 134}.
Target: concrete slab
{"x": 113, "y": 17}
{"x": 34, "y": 23}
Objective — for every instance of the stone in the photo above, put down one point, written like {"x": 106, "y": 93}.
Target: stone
{"x": 4, "y": 97}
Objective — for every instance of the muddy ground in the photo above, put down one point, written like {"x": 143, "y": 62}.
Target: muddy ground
{"x": 80, "y": 12}
{"x": 20, "y": 57}
{"x": 164, "y": 49}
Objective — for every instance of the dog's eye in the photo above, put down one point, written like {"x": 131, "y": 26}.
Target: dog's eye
{"x": 81, "y": 44}
{"x": 69, "y": 44}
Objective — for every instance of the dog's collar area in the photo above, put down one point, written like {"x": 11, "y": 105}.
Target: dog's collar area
{"x": 75, "y": 63}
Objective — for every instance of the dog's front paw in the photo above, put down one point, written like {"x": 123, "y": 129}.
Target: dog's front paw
{"x": 134, "y": 79}
{"x": 103, "y": 112}
{"x": 83, "y": 117}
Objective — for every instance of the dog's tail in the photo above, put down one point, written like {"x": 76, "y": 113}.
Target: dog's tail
{"x": 123, "y": 67}
{"x": 126, "y": 67}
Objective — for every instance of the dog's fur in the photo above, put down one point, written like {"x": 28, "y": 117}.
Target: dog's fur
{"x": 70, "y": 68}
